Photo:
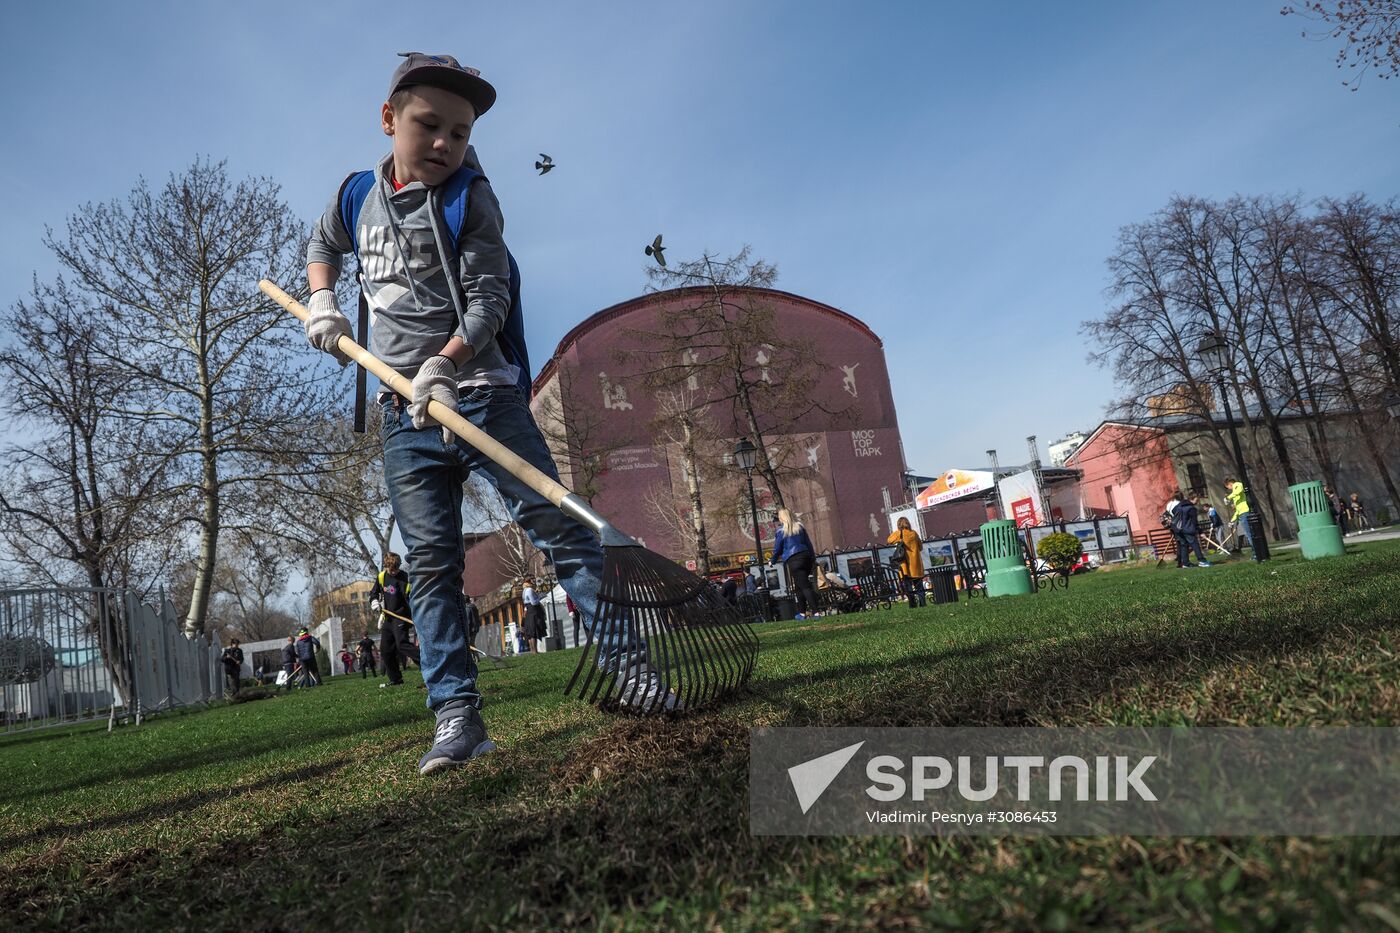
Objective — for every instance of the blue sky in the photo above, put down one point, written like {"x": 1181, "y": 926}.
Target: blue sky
{"x": 953, "y": 174}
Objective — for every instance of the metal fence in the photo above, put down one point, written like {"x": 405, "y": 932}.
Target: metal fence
{"x": 1108, "y": 538}
{"x": 73, "y": 654}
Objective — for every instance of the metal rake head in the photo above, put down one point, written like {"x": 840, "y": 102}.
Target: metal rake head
{"x": 662, "y": 640}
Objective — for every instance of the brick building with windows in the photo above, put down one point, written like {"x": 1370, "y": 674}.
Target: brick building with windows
{"x": 1132, "y": 467}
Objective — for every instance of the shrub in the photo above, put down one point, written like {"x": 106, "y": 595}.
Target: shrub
{"x": 1059, "y": 550}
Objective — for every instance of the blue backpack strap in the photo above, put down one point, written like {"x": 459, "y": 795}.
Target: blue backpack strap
{"x": 353, "y": 192}
{"x": 454, "y": 200}
{"x": 511, "y": 337}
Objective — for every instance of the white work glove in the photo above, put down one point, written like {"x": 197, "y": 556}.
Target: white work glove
{"x": 436, "y": 381}
{"x": 327, "y": 325}
{"x": 374, "y": 605}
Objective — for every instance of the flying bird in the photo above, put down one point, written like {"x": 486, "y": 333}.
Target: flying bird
{"x": 545, "y": 164}
{"x": 656, "y": 249}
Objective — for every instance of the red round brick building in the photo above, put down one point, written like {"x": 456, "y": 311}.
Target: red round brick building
{"x": 842, "y": 453}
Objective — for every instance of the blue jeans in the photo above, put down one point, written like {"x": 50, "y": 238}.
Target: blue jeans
{"x": 425, "y": 477}
{"x": 1243, "y": 523}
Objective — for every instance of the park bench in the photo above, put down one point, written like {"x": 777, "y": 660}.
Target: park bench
{"x": 840, "y": 598}
{"x": 879, "y": 589}
{"x": 1045, "y": 576}
{"x": 972, "y": 566}
{"x": 751, "y": 607}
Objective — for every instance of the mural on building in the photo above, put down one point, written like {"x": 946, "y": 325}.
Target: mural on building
{"x": 849, "y": 382}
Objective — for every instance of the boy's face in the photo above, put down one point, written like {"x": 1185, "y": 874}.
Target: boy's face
{"x": 430, "y": 133}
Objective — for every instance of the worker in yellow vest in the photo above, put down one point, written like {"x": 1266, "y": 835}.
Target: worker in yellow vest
{"x": 1234, "y": 494}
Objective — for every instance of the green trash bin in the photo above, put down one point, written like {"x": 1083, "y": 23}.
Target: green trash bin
{"x": 1317, "y": 526}
{"x": 1007, "y": 574}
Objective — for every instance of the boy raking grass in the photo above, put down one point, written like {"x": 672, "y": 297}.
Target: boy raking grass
{"x": 439, "y": 312}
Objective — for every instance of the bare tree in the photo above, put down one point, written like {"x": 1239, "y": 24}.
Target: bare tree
{"x": 518, "y": 557}
{"x": 722, "y": 342}
{"x": 579, "y": 439}
{"x": 338, "y": 513}
{"x": 1349, "y": 278}
{"x": 1369, "y": 30}
{"x": 250, "y": 584}
{"x": 674, "y": 518}
{"x": 681, "y": 425}
{"x": 218, "y": 370}
{"x": 79, "y": 504}
{"x": 1184, "y": 272}
{"x": 1307, "y": 305}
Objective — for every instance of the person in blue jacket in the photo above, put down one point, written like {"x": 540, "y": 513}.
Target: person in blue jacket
{"x": 794, "y": 550}
{"x": 1186, "y": 529}
{"x": 306, "y": 647}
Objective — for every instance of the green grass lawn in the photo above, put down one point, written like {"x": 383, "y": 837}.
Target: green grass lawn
{"x": 306, "y": 811}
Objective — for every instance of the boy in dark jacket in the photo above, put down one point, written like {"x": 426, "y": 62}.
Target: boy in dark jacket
{"x": 233, "y": 665}
{"x": 306, "y": 647}
{"x": 1186, "y": 528}
{"x": 289, "y": 660}
{"x": 365, "y": 650}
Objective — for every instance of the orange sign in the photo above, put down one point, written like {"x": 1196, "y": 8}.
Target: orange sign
{"x": 954, "y": 484}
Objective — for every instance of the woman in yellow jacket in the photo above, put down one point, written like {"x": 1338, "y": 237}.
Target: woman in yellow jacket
{"x": 911, "y": 572}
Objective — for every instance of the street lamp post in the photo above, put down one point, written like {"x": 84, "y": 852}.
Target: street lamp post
{"x": 1212, "y": 350}
{"x": 746, "y": 455}
{"x": 1392, "y": 404}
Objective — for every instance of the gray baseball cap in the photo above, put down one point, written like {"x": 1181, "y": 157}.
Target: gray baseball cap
{"x": 443, "y": 71}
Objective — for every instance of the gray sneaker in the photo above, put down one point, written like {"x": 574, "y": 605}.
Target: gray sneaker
{"x": 643, "y": 691}
{"x": 459, "y": 737}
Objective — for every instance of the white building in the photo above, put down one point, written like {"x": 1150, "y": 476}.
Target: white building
{"x": 1061, "y": 449}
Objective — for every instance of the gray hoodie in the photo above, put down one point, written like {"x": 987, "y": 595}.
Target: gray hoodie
{"x": 411, "y": 307}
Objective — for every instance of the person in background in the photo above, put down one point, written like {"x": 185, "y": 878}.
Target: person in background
{"x": 794, "y": 550}
{"x": 473, "y": 619}
{"x": 833, "y": 578}
{"x": 533, "y": 628}
{"x": 1186, "y": 529}
{"x": 306, "y": 647}
{"x": 233, "y": 665}
{"x": 729, "y": 591}
{"x": 1339, "y": 510}
{"x": 573, "y": 615}
{"x": 347, "y": 660}
{"x": 365, "y": 651}
{"x": 1356, "y": 510}
{"x": 911, "y": 571}
{"x": 1234, "y": 494}
{"x": 389, "y": 598}
{"x": 1216, "y": 525}
{"x": 289, "y": 660}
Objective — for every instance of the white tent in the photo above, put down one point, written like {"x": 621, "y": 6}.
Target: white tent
{"x": 553, "y": 602}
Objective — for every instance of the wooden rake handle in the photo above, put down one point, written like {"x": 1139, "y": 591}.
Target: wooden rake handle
{"x": 531, "y": 476}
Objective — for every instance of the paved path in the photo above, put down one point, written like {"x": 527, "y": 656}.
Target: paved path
{"x": 1380, "y": 534}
